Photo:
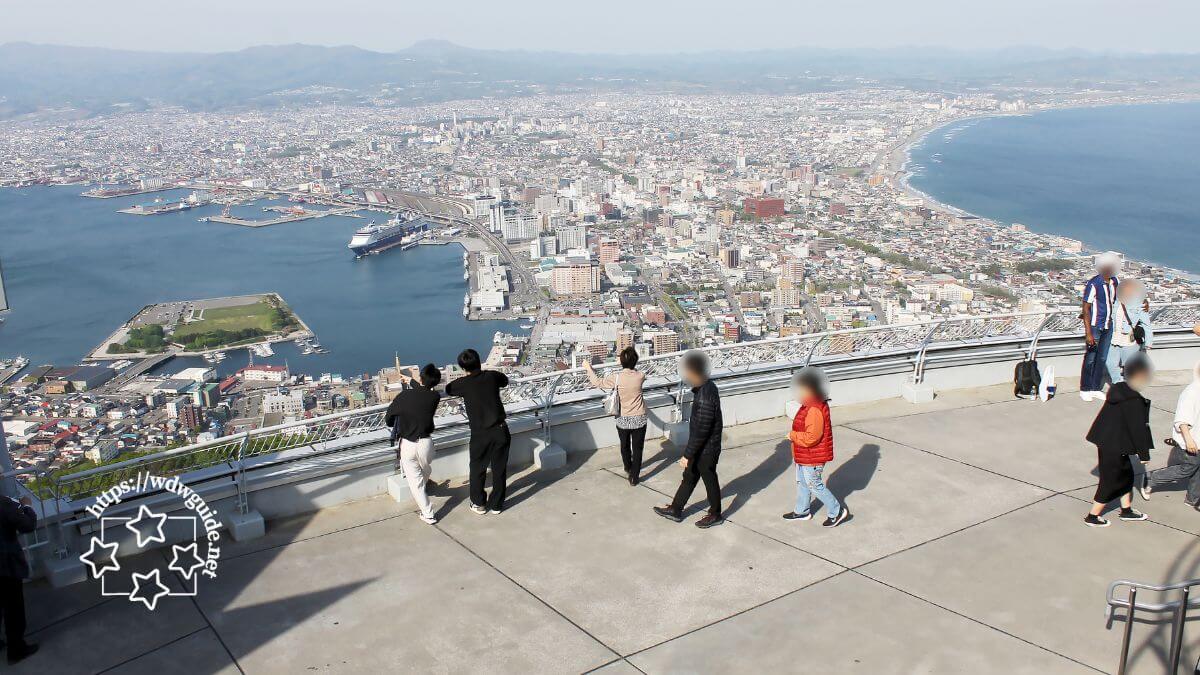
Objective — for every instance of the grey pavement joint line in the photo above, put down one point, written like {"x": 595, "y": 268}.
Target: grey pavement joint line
{"x": 151, "y": 651}
{"x": 531, "y": 594}
{"x": 200, "y": 611}
{"x": 856, "y": 570}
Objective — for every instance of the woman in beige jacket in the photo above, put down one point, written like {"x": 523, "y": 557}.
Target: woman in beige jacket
{"x": 631, "y": 421}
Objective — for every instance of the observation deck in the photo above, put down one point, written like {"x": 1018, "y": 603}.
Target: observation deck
{"x": 966, "y": 550}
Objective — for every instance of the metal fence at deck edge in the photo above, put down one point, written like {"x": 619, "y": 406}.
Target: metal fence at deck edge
{"x": 539, "y": 392}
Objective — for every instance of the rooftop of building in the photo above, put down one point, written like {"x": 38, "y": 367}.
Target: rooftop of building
{"x": 966, "y": 552}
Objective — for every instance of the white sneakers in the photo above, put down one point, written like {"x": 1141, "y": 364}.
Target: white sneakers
{"x": 1092, "y": 395}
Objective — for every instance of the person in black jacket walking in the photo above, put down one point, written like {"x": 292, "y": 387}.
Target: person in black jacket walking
{"x": 704, "y": 444}
{"x": 411, "y": 418}
{"x": 490, "y": 439}
{"x": 1121, "y": 430}
{"x": 16, "y": 517}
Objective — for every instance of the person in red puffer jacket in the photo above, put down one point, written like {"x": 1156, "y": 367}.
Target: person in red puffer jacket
{"x": 812, "y": 449}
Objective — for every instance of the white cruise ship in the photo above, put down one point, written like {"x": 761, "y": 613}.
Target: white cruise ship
{"x": 402, "y": 230}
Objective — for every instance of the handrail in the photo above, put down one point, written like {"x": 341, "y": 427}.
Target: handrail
{"x": 537, "y": 393}
{"x": 1179, "y": 607}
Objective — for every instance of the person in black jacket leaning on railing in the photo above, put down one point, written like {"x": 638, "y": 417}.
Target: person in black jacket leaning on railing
{"x": 16, "y": 518}
{"x": 703, "y": 447}
{"x": 410, "y": 416}
{"x": 490, "y": 439}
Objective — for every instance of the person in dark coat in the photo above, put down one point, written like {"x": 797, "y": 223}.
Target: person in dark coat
{"x": 16, "y": 518}
{"x": 704, "y": 445}
{"x": 1121, "y": 430}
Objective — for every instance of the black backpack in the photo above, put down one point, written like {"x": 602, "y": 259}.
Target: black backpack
{"x": 1026, "y": 379}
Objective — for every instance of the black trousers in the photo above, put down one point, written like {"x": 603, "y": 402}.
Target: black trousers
{"x": 633, "y": 441}
{"x": 489, "y": 449}
{"x": 12, "y": 605}
{"x": 703, "y": 468}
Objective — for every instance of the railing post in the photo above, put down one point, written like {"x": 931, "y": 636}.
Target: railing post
{"x": 547, "y": 405}
{"x": 1037, "y": 335}
{"x": 919, "y": 366}
{"x": 813, "y": 351}
{"x": 243, "y": 500}
{"x": 1177, "y": 631}
{"x": 1128, "y": 632}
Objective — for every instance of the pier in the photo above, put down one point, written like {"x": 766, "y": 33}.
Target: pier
{"x": 140, "y": 368}
{"x": 289, "y": 218}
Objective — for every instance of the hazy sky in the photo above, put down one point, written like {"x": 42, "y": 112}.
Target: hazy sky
{"x": 609, "y": 25}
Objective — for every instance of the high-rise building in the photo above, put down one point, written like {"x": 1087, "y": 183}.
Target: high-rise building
{"x": 730, "y": 257}
{"x": 575, "y": 277}
{"x": 610, "y": 251}
{"x": 764, "y": 207}
{"x": 664, "y": 341}
{"x": 571, "y": 236}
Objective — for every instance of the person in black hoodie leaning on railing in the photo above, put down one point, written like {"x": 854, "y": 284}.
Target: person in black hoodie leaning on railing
{"x": 1121, "y": 430}
{"x": 704, "y": 444}
{"x": 490, "y": 439}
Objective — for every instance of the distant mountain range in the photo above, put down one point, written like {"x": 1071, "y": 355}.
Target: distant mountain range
{"x": 35, "y": 77}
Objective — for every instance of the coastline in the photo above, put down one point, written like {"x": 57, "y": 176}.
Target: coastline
{"x": 902, "y": 152}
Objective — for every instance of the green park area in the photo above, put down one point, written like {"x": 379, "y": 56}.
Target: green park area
{"x": 214, "y": 327}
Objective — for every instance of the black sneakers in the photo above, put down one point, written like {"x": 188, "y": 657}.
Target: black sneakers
{"x": 792, "y": 515}
{"x": 709, "y": 520}
{"x": 841, "y": 518}
{"x": 16, "y": 655}
{"x": 1131, "y": 514}
{"x": 1095, "y": 521}
{"x": 669, "y": 513}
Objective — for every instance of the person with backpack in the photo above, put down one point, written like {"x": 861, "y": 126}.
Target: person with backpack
{"x": 630, "y": 409}
{"x": 1121, "y": 432}
{"x": 1131, "y": 330}
{"x": 410, "y": 416}
{"x": 812, "y": 449}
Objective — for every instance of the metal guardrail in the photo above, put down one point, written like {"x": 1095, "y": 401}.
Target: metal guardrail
{"x": 1178, "y": 608}
{"x": 908, "y": 343}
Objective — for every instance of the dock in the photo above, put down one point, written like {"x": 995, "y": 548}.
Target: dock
{"x": 11, "y": 372}
{"x": 291, "y": 218}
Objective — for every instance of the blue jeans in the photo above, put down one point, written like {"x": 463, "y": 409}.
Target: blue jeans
{"x": 1092, "y": 376}
{"x": 809, "y": 483}
{"x": 1118, "y": 356}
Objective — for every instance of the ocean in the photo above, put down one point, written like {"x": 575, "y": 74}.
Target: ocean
{"x": 1116, "y": 177}
{"x": 75, "y": 270}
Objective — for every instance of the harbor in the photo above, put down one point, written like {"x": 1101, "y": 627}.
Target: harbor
{"x": 400, "y": 301}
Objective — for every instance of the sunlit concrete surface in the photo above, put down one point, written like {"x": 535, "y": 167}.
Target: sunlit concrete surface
{"x": 966, "y": 553}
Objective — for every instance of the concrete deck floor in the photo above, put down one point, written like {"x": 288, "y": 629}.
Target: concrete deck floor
{"x": 965, "y": 554}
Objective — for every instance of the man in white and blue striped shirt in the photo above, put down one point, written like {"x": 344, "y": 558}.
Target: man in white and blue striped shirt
{"x": 1099, "y": 294}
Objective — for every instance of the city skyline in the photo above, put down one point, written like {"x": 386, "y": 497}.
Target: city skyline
{"x": 623, "y": 28}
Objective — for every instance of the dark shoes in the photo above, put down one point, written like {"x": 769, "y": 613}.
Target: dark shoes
{"x": 669, "y": 513}
{"x": 633, "y": 479}
{"x": 18, "y": 654}
{"x": 841, "y": 518}
{"x": 792, "y": 515}
{"x": 1131, "y": 514}
{"x": 708, "y": 521}
{"x": 1095, "y": 521}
